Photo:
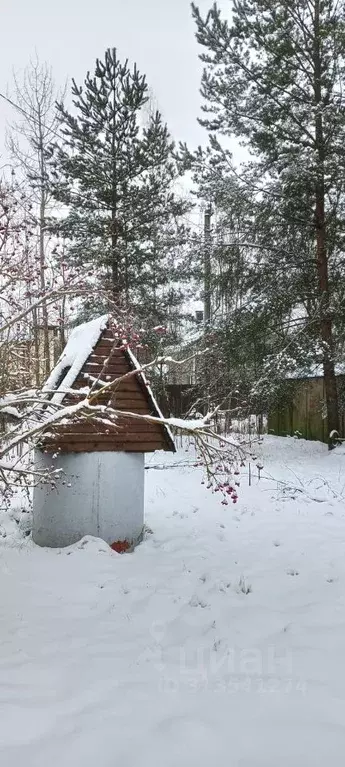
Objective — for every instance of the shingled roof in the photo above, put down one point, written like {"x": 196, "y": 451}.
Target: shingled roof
{"x": 93, "y": 352}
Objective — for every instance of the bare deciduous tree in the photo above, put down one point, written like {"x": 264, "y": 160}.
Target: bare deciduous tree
{"x": 29, "y": 142}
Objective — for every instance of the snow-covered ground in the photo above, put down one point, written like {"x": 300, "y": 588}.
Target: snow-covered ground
{"x": 219, "y": 641}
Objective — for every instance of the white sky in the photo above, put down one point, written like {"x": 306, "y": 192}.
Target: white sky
{"x": 70, "y": 34}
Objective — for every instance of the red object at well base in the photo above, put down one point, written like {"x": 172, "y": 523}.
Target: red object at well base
{"x": 120, "y": 546}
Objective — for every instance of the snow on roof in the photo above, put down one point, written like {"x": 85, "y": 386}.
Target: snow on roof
{"x": 316, "y": 372}
{"x": 78, "y": 348}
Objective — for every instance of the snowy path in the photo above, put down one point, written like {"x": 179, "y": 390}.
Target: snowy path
{"x": 160, "y": 658}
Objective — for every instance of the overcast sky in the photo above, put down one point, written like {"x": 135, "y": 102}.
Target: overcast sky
{"x": 70, "y": 34}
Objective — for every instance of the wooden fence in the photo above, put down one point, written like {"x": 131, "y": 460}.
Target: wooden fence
{"x": 304, "y": 412}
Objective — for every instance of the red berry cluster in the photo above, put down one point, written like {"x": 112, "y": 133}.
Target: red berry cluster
{"x": 228, "y": 489}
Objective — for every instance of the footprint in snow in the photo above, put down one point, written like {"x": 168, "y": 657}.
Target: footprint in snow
{"x": 195, "y": 601}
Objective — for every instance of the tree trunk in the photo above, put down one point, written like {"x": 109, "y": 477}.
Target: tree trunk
{"x": 207, "y": 267}
{"x": 42, "y": 216}
{"x": 207, "y": 300}
{"x": 45, "y": 321}
{"x": 115, "y": 272}
{"x": 114, "y": 259}
{"x": 326, "y": 323}
{"x": 326, "y": 329}
{"x": 36, "y": 349}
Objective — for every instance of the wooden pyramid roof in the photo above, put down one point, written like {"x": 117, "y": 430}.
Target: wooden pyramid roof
{"x": 93, "y": 353}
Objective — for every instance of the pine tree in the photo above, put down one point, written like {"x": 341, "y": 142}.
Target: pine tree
{"x": 118, "y": 175}
{"x": 274, "y": 78}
